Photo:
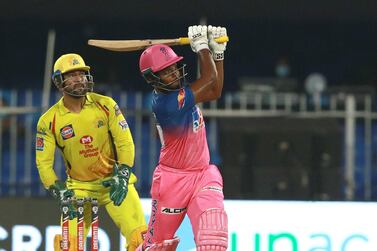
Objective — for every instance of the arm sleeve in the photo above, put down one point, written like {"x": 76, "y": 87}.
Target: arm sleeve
{"x": 45, "y": 150}
{"x": 122, "y": 137}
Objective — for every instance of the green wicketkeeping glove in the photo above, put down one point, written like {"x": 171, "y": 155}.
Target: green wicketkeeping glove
{"x": 118, "y": 183}
{"x": 60, "y": 192}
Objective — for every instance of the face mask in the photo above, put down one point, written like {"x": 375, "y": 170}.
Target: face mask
{"x": 282, "y": 71}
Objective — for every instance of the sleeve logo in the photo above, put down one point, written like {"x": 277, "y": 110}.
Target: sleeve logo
{"x": 123, "y": 124}
{"x": 39, "y": 144}
{"x": 117, "y": 110}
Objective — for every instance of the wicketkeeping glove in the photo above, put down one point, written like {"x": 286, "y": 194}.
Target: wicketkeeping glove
{"x": 197, "y": 35}
{"x": 60, "y": 192}
{"x": 217, "y": 49}
{"x": 118, "y": 183}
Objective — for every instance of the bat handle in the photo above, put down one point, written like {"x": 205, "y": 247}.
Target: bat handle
{"x": 185, "y": 40}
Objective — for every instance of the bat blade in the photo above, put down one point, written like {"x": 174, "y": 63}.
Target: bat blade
{"x": 135, "y": 45}
{"x": 130, "y": 45}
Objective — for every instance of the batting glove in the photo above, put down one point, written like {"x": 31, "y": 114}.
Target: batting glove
{"x": 59, "y": 191}
{"x": 118, "y": 183}
{"x": 197, "y": 35}
{"x": 217, "y": 49}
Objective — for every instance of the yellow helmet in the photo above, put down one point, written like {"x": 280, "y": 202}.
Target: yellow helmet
{"x": 70, "y": 62}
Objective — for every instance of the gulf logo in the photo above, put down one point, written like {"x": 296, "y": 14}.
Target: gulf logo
{"x": 39, "y": 144}
{"x": 87, "y": 139}
{"x": 67, "y": 132}
{"x": 181, "y": 98}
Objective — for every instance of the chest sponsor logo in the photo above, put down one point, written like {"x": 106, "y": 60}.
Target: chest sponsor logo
{"x": 39, "y": 144}
{"x": 87, "y": 139}
{"x": 88, "y": 150}
{"x": 181, "y": 98}
{"x": 197, "y": 119}
{"x": 123, "y": 124}
{"x": 168, "y": 210}
{"x": 67, "y": 132}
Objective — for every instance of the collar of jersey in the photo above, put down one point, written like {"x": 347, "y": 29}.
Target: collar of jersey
{"x": 63, "y": 110}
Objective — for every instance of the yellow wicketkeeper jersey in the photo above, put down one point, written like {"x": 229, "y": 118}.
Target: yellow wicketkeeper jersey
{"x": 91, "y": 141}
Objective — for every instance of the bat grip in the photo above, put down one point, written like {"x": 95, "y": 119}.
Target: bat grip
{"x": 186, "y": 40}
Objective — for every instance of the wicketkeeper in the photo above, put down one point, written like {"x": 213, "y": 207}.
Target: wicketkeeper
{"x": 98, "y": 150}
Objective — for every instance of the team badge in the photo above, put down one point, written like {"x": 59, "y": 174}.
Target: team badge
{"x": 75, "y": 61}
{"x": 166, "y": 54}
{"x": 117, "y": 110}
{"x": 100, "y": 123}
{"x": 67, "y": 132}
{"x": 181, "y": 98}
{"x": 39, "y": 144}
{"x": 123, "y": 124}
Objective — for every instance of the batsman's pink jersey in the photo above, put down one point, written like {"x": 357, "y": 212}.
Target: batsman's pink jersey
{"x": 183, "y": 182}
{"x": 181, "y": 129}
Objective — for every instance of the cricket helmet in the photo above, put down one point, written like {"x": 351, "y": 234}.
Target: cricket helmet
{"x": 68, "y": 63}
{"x": 156, "y": 58}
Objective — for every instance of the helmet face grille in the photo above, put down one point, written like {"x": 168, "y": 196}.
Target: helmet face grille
{"x": 78, "y": 89}
{"x": 154, "y": 80}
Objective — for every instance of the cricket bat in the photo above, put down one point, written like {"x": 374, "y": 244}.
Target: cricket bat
{"x": 135, "y": 45}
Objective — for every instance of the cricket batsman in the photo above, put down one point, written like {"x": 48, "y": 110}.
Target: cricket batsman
{"x": 184, "y": 181}
{"x": 98, "y": 150}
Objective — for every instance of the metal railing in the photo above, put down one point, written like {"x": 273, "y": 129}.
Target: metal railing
{"x": 19, "y": 176}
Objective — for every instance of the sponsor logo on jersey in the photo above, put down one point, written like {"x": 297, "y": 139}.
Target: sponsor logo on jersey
{"x": 117, "y": 110}
{"x": 123, "y": 124}
{"x": 212, "y": 188}
{"x": 87, "y": 139}
{"x": 168, "y": 210}
{"x": 89, "y": 151}
{"x": 39, "y": 144}
{"x": 197, "y": 119}
{"x": 181, "y": 98}
{"x": 67, "y": 132}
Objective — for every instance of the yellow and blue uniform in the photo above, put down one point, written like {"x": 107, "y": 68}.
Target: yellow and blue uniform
{"x": 91, "y": 142}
